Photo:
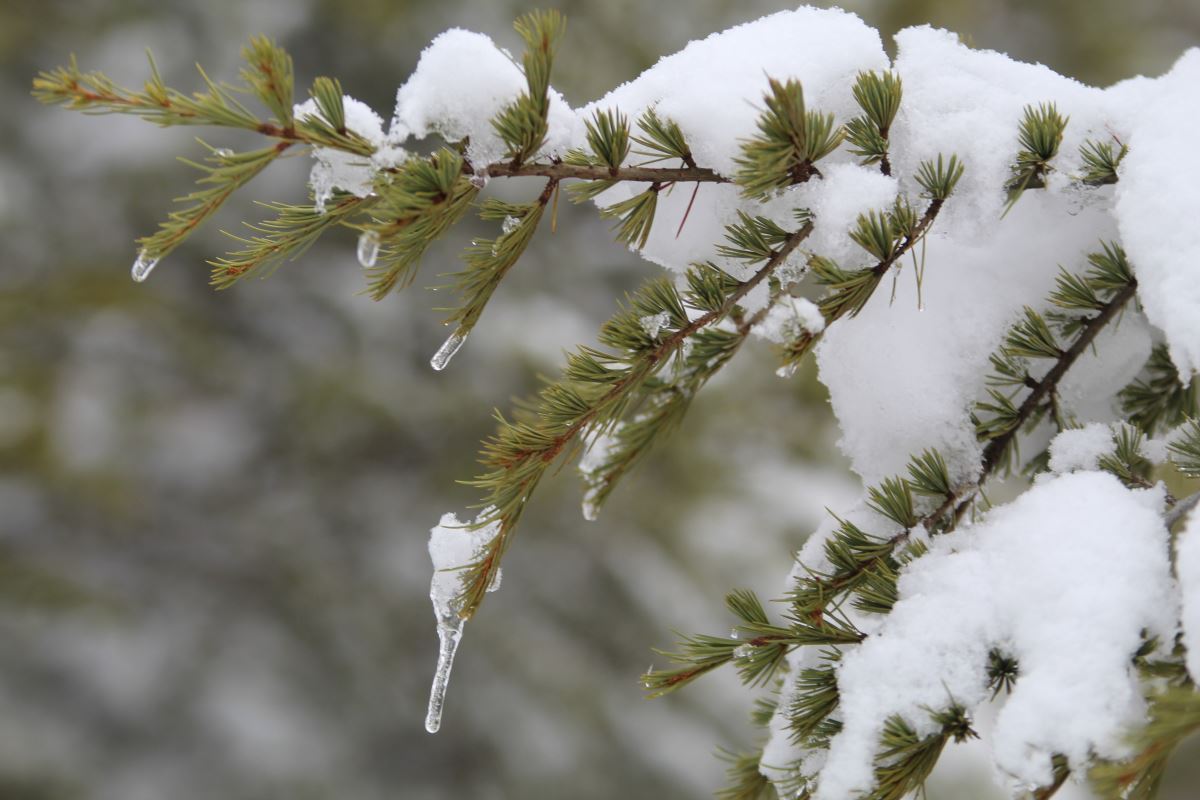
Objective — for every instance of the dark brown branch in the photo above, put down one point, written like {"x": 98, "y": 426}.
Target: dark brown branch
{"x": 994, "y": 451}
{"x": 562, "y": 171}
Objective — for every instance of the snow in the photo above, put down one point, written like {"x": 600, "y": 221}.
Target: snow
{"x": 1158, "y": 203}
{"x": 713, "y": 90}
{"x": 451, "y": 548}
{"x": 461, "y": 82}
{"x": 1187, "y": 570}
{"x": 905, "y": 374}
{"x": 846, "y": 191}
{"x": 349, "y": 172}
{"x": 786, "y": 321}
{"x": 1081, "y": 448}
{"x": 598, "y": 449}
{"x": 1000, "y": 584}
{"x": 713, "y": 87}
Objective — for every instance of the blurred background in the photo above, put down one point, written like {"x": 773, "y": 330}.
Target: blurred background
{"x": 214, "y": 507}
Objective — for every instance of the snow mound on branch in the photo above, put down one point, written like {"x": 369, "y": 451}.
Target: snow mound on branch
{"x": 1081, "y": 448}
{"x": 1158, "y": 205}
{"x": 904, "y": 376}
{"x": 461, "y": 82}
{"x": 713, "y": 89}
{"x": 999, "y": 584}
{"x": 336, "y": 169}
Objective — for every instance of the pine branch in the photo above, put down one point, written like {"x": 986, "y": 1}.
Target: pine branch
{"x": 1040, "y": 134}
{"x": 878, "y": 95}
{"x": 563, "y": 171}
{"x": 997, "y": 448}
{"x": 488, "y": 261}
{"x": 418, "y": 205}
{"x": 906, "y": 759}
{"x": 1159, "y": 399}
{"x": 746, "y": 781}
{"x": 597, "y": 391}
{"x": 284, "y": 238}
{"x": 522, "y": 124}
{"x": 790, "y": 140}
{"x": 224, "y": 173}
{"x": 1100, "y": 163}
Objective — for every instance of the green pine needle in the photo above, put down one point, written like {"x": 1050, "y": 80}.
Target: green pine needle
{"x": 223, "y": 174}
{"x": 1158, "y": 399}
{"x": 662, "y": 140}
{"x": 1040, "y": 134}
{"x": 790, "y": 140}
{"x": 1100, "y": 162}
{"x": 284, "y": 238}
{"x": 938, "y": 178}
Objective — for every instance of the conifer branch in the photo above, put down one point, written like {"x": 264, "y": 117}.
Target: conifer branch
{"x": 489, "y": 260}
{"x": 597, "y": 389}
{"x": 997, "y": 447}
{"x": 224, "y": 173}
{"x": 563, "y": 171}
{"x": 1040, "y": 134}
{"x": 286, "y": 237}
{"x": 878, "y": 95}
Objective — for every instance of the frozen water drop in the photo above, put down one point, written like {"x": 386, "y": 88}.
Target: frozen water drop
{"x": 510, "y": 224}
{"x": 143, "y": 266}
{"x": 223, "y": 152}
{"x": 441, "y": 359}
{"x": 450, "y": 628}
{"x": 591, "y": 512}
{"x": 786, "y": 371}
{"x": 479, "y": 180}
{"x": 654, "y": 323}
{"x": 368, "y": 248}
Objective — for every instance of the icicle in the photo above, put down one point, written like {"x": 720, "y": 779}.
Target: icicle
{"x": 450, "y": 628}
{"x": 143, "y": 266}
{"x": 452, "y": 546}
{"x": 441, "y": 359}
{"x": 368, "y": 248}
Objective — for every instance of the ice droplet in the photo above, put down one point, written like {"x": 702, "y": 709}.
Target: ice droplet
{"x": 591, "y": 512}
{"x": 441, "y": 359}
{"x": 510, "y": 224}
{"x": 368, "y": 248}
{"x": 143, "y": 266}
{"x": 223, "y": 152}
{"x": 450, "y": 628}
{"x": 786, "y": 371}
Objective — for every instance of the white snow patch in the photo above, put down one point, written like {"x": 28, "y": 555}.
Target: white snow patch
{"x": 461, "y": 83}
{"x": 1081, "y": 448}
{"x": 1158, "y": 203}
{"x": 1000, "y": 584}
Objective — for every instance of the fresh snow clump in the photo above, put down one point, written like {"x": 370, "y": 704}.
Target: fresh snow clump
{"x": 999, "y": 584}
{"x": 461, "y": 83}
{"x": 1158, "y": 205}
